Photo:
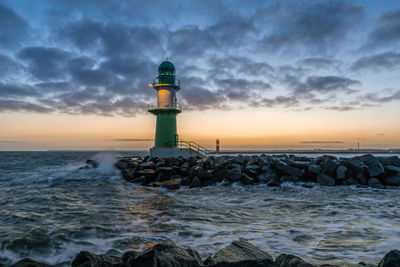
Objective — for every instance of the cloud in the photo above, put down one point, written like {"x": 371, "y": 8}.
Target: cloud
{"x": 342, "y": 108}
{"x": 11, "y": 142}
{"x": 321, "y": 142}
{"x": 18, "y": 105}
{"x": 45, "y": 63}
{"x": 13, "y": 27}
{"x": 326, "y": 84}
{"x": 314, "y": 25}
{"x": 319, "y": 63}
{"x": 383, "y": 97}
{"x": 387, "y": 60}
{"x": 386, "y": 32}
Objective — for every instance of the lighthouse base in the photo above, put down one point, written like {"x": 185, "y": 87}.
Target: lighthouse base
{"x": 170, "y": 152}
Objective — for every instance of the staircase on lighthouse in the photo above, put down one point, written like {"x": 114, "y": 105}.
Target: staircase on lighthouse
{"x": 167, "y": 143}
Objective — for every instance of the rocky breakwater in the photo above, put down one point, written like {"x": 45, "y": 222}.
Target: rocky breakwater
{"x": 272, "y": 170}
{"x": 238, "y": 254}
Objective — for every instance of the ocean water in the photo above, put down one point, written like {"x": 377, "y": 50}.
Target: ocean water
{"x": 51, "y": 208}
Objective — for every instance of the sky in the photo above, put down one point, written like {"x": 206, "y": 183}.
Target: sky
{"x": 255, "y": 74}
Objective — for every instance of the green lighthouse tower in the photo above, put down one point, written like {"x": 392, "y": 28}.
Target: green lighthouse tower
{"x": 166, "y": 109}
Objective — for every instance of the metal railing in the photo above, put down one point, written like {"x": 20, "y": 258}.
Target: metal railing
{"x": 164, "y": 105}
{"x": 157, "y": 82}
{"x": 194, "y": 148}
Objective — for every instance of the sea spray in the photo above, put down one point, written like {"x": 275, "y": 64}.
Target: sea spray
{"x": 106, "y": 161}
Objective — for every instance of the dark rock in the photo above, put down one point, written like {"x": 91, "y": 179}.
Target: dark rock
{"x": 173, "y": 183}
{"x": 140, "y": 180}
{"x": 360, "y": 177}
{"x": 375, "y": 169}
{"x": 366, "y": 158}
{"x": 287, "y": 178}
{"x": 287, "y": 260}
{"x": 391, "y": 170}
{"x": 194, "y": 170}
{"x": 393, "y": 179}
{"x": 245, "y": 179}
{"x": 273, "y": 182}
{"x": 285, "y": 169}
{"x": 252, "y": 170}
{"x": 239, "y": 160}
{"x": 129, "y": 256}
{"x": 341, "y": 172}
{"x": 299, "y": 164}
{"x": 148, "y": 173}
{"x": 205, "y": 174}
{"x": 326, "y": 180}
{"x": 234, "y": 174}
{"x": 391, "y": 259}
{"x": 313, "y": 171}
{"x": 195, "y": 183}
{"x": 210, "y": 182}
{"x": 147, "y": 165}
{"x": 29, "y": 263}
{"x": 186, "y": 181}
{"x": 329, "y": 167}
{"x": 128, "y": 174}
{"x": 356, "y": 166}
{"x": 165, "y": 255}
{"x": 92, "y": 163}
{"x": 374, "y": 182}
{"x": 241, "y": 253}
{"x": 390, "y": 161}
{"x": 267, "y": 173}
{"x": 89, "y": 259}
{"x": 185, "y": 167}
{"x": 222, "y": 174}
{"x": 167, "y": 171}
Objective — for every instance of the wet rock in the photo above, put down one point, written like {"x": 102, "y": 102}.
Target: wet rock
{"x": 234, "y": 174}
{"x": 393, "y": 179}
{"x": 222, "y": 174}
{"x": 167, "y": 171}
{"x": 299, "y": 164}
{"x": 391, "y": 259}
{"x": 356, "y": 166}
{"x": 374, "y": 182}
{"x": 391, "y": 170}
{"x": 185, "y": 167}
{"x": 287, "y": 178}
{"x": 195, "y": 183}
{"x": 149, "y": 174}
{"x": 205, "y": 174}
{"x": 194, "y": 170}
{"x": 167, "y": 255}
{"x": 89, "y": 259}
{"x": 366, "y": 158}
{"x": 325, "y": 180}
{"x": 147, "y": 165}
{"x": 173, "y": 183}
{"x": 241, "y": 253}
{"x": 313, "y": 171}
{"x": 329, "y": 167}
{"x": 245, "y": 179}
{"x": 285, "y": 169}
{"x": 252, "y": 170}
{"x": 375, "y": 169}
{"x": 341, "y": 172}
{"x": 360, "y": 177}
{"x": 92, "y": 163}
{"x": 287, "y": 260}
{"x": 129, "y": 256}
{"x": 29, "y": 263}
{"x": 186, "y": 181}
{"x": 390, "y": 161}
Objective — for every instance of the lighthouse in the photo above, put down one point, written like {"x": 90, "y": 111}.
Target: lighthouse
{"x": 166, "y": 142}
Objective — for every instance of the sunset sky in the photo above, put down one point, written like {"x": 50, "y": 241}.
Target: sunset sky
{"x": 256, "y": 74}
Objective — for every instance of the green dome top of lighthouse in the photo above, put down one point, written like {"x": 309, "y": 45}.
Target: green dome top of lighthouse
{"x": 166, "y": 66}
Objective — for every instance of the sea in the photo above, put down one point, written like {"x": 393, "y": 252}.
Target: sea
{"x": 52, "y": 207}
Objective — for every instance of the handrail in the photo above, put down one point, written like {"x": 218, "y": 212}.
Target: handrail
{"x": 201, "y": 151}
{"x": 164, "y": 105}
{"x": 156, "y": 81}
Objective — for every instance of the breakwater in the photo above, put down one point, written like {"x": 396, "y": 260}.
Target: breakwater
{"x": 238, "y": 254}
{"x": 273, "y": 170}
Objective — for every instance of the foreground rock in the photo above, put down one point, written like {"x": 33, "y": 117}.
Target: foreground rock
{"x": 272, "y": 170}
{"x": 238, "y": 254}
{"x": 241, "y": 253}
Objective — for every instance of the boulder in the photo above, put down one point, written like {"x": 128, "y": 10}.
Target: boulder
{"x": 205, "y": 174}
{"x": 325, "y": 180}
{"x": 167, "y": 255}
{"x": 234, "y": 174}
{"x": 148, "y": 173}
{"x": 287, "y": 260}
{"x": 391, "y": 170}
{"x": 221, "y": 174}
{"x": 375, "y": 169}
{"x": 285, "y": 169}
{"x": 356, "y": 166}
{"x": 194, "y": 170}
{"x": 329, "y": 167}
{"x": 195, "y": 183}
{"x": 147, "y": 165}
{"x": 374, "y": 182}
{"x": 393, "y": 179}
{"x": 313, "y": 171}
{"x": 361, "y": 179}
{"x": 29, "y": 263}
{"x": 391, "y": 161}
{"x": 252, "y": 170}
{"x": 299, "y": 164}
{"x": 89, "y": 259}
{"x": 245, "y": 179}
{"x": 128, "y": 256}
{"x": 341, "y": 172}
{"x": 167, "y": 171}
{"x": 241, "y": 253}
{"x": 366, "y": 158}
{"x": 391, "y": 259}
